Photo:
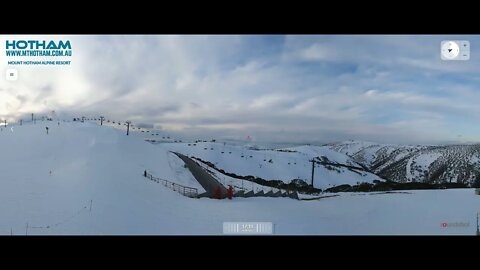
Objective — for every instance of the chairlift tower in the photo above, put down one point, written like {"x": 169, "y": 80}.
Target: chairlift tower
{"x": 128, "y": 126}
{"x": 478, "y": 230}
{"x": 313, "y": 170}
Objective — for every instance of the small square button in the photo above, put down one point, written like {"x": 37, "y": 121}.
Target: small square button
{"x": 464, "y": 45}
{"x": 464, "y": 55}
{"x": 11, "y": 74}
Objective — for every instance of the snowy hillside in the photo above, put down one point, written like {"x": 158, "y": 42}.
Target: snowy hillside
{"x": 281, "y": 164}
{"x": 50, "y": 179}
{"x": 369, "y": 153}
{"x": 433, "y": 164}
{"x": 352, "y": 147}
{"x": 85, "y": 179}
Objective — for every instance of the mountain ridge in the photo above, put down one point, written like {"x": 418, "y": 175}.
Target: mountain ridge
{"x": 459, "y": 163}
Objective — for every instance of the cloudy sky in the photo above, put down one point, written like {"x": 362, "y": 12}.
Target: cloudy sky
{"x": 391, "y": 89}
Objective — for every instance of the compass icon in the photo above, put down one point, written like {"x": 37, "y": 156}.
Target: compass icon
{"x": 455, "y": 50}
{"x": 450, "y": 49}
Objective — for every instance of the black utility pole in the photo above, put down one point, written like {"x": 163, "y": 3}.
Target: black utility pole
{"x": 101, "y": 120}
{"x": 32, "y": 117}
{"x": 21, "y": 122}
{"x": 5, "y": 121}
{"x": 478, "y": 230}
{"x": 313, "y": 170}
{"x": 128, "y": 126}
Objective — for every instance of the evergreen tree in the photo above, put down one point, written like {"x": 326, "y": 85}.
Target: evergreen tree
{"x": 476, "y": 183}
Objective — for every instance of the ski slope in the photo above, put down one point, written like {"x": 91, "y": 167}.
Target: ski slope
{"x": 85, "y": 179}
{"x": 280, "y": 164}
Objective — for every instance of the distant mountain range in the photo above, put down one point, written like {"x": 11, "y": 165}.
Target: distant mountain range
{"x": 429, "y": 164}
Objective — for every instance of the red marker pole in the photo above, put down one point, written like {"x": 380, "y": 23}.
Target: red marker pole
{"x": 229, "y": 192}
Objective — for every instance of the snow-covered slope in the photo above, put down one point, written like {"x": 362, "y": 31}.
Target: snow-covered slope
{"x": 352, "y": 147}
{"x": 281, "y": 164}
{"x": 86, "y": 179}
{"x": 369, "y": 153}
{"x": 403, "y": 163}
{"x": 48, "y": 180}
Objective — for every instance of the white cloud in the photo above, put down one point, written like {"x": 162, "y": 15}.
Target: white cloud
{"x": 318, "y": 52}
{"x": 268, "y": 101}
{"x": 318, "y": 88}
